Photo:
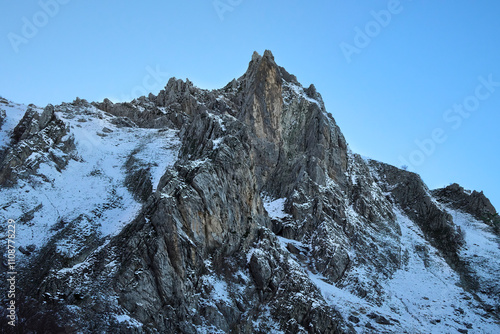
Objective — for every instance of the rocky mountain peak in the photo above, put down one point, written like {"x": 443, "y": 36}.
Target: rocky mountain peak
{"x": 263, "y": 97}
{"x": 255, "y": 56}
{"x": 235, "y": 210}
{"x": 178, "y": 91}
{"x": 267, "y": 55}
{"x": 471, "y": 201}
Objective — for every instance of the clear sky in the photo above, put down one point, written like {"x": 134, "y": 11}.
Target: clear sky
{"x": 412, "y": 83}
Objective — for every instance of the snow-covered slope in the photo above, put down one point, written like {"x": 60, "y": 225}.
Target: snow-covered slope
{"x": 93, "y": 182}
{"x": 424, "y": 295}
{"x": 482, "y": 253}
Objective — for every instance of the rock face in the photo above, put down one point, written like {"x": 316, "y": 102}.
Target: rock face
{"x": 411, "y": 194}
{"x": 237, "y": 210}
{"x": 39, "y": 137}
{"x": 473, "y": 202}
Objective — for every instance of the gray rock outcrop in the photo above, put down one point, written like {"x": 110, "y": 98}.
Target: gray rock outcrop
{"x": 39, "y": 137}
{"x": 470, "y": 201}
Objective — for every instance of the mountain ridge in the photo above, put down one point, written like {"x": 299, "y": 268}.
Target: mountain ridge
{"x": 239, "y": 210}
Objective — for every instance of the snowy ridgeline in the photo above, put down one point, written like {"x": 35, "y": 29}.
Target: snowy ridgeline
{"x": 424, "y": 295}
{"x": 93, "y": 182}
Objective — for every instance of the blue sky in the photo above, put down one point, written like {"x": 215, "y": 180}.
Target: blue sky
{"x": 409, "y": 82}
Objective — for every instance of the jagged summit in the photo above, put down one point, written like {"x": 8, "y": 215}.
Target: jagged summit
{"x": 471, "y": 201}
{"x": 235, "y": 210}
{"x": 268, "y": 55}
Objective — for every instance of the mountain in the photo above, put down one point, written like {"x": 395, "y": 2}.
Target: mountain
{"x": 236, "y": 210}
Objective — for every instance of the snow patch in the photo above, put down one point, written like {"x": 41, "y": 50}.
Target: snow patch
{"x": 275, "y": 208}
{"x": 124, "y": 318}
{"x": 217, "y": 142}
{"x": 299, "y": 91}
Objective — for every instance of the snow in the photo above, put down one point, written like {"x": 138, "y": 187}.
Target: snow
{"x": 285, "y": 241}
{"x": 127, "y": 319}
{"x": 207, "y": 329}
{"x": 14, "y": 113}
{"x": 299, "y": 91}
{"x": 422, "y": 296}
{"x": 197, "y": 163}
{"x": 160, "y": 150}
{"x": 425, "y": 292}
{"x": 481, "y": 247}
{"x": 219, "y": 120}
{"x": 275, "y": 208}
{"x": 220, "y": 292}
{"x": 217, "y": 142}
{"x": 367, "y": 159}
{"x": 251, "y": 251}
{"x": 76, "y": 267}
{"x": 92, "y": 183}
